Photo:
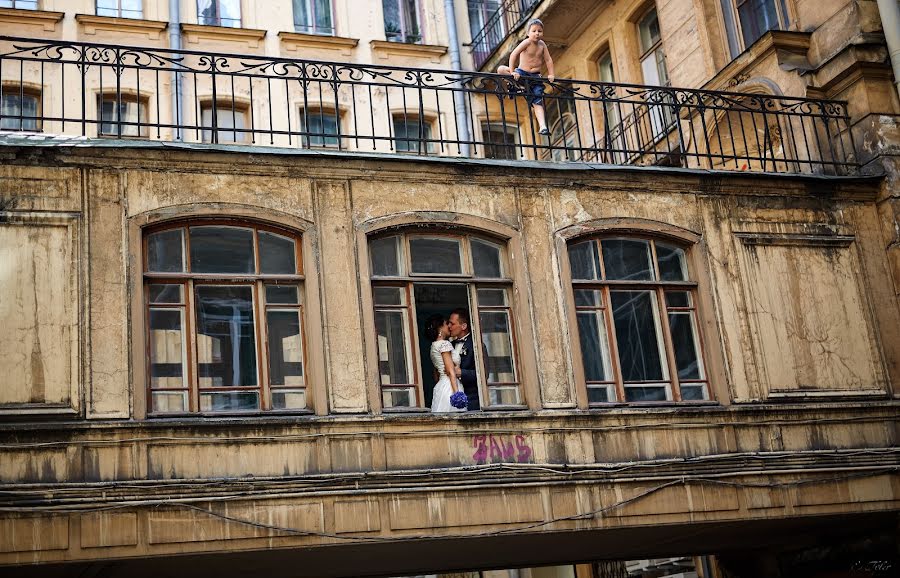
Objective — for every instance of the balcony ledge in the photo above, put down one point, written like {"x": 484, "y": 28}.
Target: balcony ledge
{"x": 48, "y": 20}
{"x": 383, "y": 49}
{"x": 90, "y": 24}
{"x": 194, "y": 33}
{"x": 295, "y": 41}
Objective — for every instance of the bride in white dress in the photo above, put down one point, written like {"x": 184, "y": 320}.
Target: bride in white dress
{"x": 444, "y": 357}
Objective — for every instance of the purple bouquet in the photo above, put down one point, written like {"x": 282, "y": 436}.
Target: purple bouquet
{"x": 459, "y": 400}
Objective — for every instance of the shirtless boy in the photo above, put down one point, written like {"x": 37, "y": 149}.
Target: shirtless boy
{"x": 532, "y": 54}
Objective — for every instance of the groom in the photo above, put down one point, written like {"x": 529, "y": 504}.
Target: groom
{"x": 462, "y": 342}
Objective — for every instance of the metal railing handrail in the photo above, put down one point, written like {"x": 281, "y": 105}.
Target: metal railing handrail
{"x": 340, "y": 105}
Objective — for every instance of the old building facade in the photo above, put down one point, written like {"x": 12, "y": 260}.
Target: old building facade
{"x": 217, "y": 264}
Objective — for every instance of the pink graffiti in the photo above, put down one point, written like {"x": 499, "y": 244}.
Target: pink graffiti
{"x": 501, "y": 449}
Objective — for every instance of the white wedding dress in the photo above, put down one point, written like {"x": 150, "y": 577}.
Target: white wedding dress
{"x": 440, "y": 400}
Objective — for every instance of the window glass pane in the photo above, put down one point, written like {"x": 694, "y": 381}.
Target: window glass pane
{"x": 606, "y": 68}
{"x": 166, "y": 293}
{"x": 588, "y": 298}
{"x": 132, "y": 8}
{"x": 645, "y": 394}
{"x": 431, "y": 255}
{"x": 678, "y": 298}
{"x": 289, "y": 399}
{"x": 167, "y": 349}
{"x": 169, "y": 401}
{"x": 594, "y": 346}
{"x": 411, "y": 15}
{"x": 693, "y": 392}
{"x": 385, "y": 254}
{"x": 16, "y": 108}
{"x": 757, "y": 17}
{"x": 226, "y": 336}
{"x": 684, "y": 342}
{"x": 599, "y": 394}
{"x": 323, "y": 17}
{"x": 584, "y": 260}
{"x": 672, "y": 263}
{"x": 649, "y": 31}
{"x": 320, "y": 125}
{"x": 302, "y": 16}
{"x": 392, "y": 23}
{"x": 281, "y": 294}
{"x": 128, "y": 112}
{"x": 504, "y": 395}
{"x": 492, "y": 297}
{"x": 637, "y": 336}
{"x": 390, "y": 296}
{"x": 486, "y": 259}
{"x": 390, "y": 327}
{"x": 496, "y": 341}
{"x": 285, "y": 348}
{"x": 500, "y": 140}
{"x": 106, "y": 7}
{"x": 165, "y": 252}
{"x": 627, "y": 260}
{"x": 221, "y": 250}
{"x": 226, "y": 117}
{"x": 229, "y": 401}
{"x": 277, "y": 254}
{"x": 397, "y": 397}
{"x": 411, "y": 134}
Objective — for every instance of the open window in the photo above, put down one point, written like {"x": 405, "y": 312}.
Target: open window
{"x": 402, "y": 21}
{"x": 418, "y": 274}
{"x": 224, "y": 318}
{"x": 636, "y": 313}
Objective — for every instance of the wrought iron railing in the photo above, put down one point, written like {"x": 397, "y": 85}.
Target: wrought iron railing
{"x": 507, "y": 17}
{"x": 94, "y": 90}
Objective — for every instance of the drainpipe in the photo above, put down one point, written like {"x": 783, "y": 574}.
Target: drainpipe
{"x": 890, "y": 22}
{"x": 177, "y": 88}
{"x": 459, "y": 103}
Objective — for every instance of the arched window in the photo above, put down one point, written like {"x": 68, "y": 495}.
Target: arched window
{"x": 636, "y": 309}
{"x": 224, "y": 312}
{"x": 419, "y": 274}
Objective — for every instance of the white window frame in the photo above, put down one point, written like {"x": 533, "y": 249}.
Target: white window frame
{"x": 119, "y": 11}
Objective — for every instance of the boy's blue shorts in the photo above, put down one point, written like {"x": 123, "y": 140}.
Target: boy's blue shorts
{"x": 534, "y": 89}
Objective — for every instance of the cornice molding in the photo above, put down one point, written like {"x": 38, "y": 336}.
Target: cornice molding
{"x": 194, "y": 33}
{"x": 90, "y": 24}
{"x": 432, "y": 52}
{"x": 44, "y": 18}
{"x": 295, "y": 41}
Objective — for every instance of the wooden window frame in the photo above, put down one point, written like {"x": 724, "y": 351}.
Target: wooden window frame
{"x": 258, "y": 283}
{"x": 406, "y": 279}
{"x": 658, "y": 288}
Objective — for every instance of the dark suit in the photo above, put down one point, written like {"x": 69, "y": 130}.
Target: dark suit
{"x": 469, "y": 377}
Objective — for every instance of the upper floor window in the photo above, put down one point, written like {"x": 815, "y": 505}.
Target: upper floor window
{"x": 313, "y": 17}
{"x": 224, "y": 314}
{"x": 320, "y": 128}
{"x": 402, "y": 21}
{"x": 483, "y": 11}
{"x": 417, "y": 275}
{"x": 500, "y": 140}
{"x": 120, "y": 8}
{"x": 636, "y": 310}
{"x": 21, "y": 4}
{"x": 219, "y": 13}
{"x": 122, "y": 115}
{"x": 412, "y": 134}
{"x": 20, "y": 108}
{"x": 653, "y": 59}
{"x": 224, "y": 122}
{"x": 747, "y": 20}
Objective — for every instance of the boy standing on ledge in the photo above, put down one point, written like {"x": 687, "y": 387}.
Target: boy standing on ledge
{"x": 532, "y": 54}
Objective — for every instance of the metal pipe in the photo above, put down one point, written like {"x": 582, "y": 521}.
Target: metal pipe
{"x": 177, "y": 88}
{"x": 459, "y": 103}
{"x": 890, "y": 23}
